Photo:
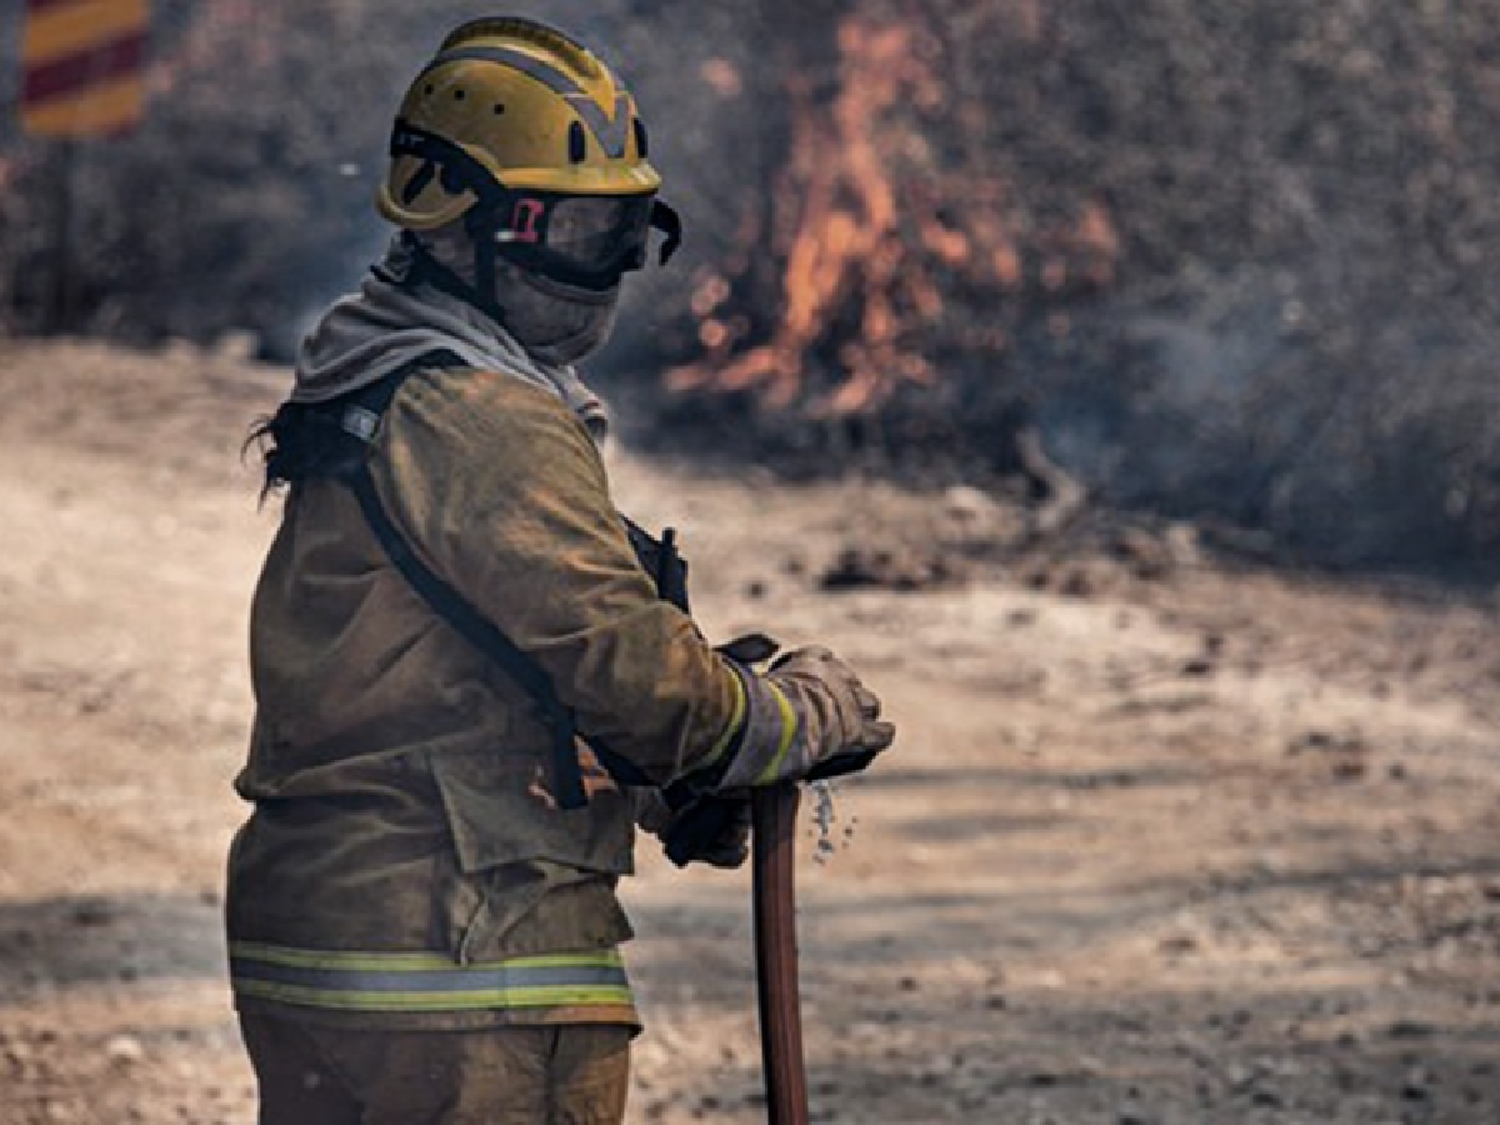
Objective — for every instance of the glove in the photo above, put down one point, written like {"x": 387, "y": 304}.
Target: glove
{"x": 713, "y": 830}
{"x": 750, "y": 648}
{"x": 808, "y": 717}
{"x": 708, "y": 829}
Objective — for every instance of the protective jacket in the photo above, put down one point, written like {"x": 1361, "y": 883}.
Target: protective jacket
{"x": 407, "y": 863}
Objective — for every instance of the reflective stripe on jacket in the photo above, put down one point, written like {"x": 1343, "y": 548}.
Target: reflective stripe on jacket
{"x": 401, "y": 780}
{"x": 407, "y": 982}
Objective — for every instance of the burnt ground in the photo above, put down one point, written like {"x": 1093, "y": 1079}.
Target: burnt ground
{"x": 1163, "y": 841}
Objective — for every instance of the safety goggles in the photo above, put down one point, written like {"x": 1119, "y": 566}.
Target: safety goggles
{"x": 585, "y": 240}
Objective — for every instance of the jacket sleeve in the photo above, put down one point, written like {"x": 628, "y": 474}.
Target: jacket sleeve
{"x": 502, "y": 492}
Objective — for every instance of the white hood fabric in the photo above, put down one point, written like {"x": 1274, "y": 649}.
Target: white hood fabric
{"x": 368, "y": 335}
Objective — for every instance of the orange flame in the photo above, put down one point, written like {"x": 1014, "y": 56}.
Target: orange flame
{"x": 877, "y": 229}
{"x": 848, "y": 242}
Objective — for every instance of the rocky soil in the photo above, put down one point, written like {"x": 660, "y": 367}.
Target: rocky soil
{"x": 1165, "y": 841}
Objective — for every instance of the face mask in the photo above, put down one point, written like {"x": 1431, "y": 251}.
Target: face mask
{"x": 558, "y": 324}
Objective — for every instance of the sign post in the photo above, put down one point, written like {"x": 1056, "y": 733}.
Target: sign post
{"x": 84, "y": 63}
{"x": 84, "y": 76}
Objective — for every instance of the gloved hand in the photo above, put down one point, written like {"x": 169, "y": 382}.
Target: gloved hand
{"x": 750, "y": 648}
{"x": 709, "y": 829}
{"x": 808, "y": 716}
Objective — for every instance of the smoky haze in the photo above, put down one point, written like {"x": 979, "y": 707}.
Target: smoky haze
{"x": 1230, "y": 261}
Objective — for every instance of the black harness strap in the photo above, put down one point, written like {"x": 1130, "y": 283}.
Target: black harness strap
{"x": 483, "y": 635}
{"x": 361, "y": 417}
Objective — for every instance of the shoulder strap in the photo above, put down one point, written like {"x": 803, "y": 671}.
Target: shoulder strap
{"x": 362, "y": 410}
{"x": 483, "y": 635}
{"x": 361, "y": 417}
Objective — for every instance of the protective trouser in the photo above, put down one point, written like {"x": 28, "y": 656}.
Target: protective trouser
{"x": 568, "y": 1074}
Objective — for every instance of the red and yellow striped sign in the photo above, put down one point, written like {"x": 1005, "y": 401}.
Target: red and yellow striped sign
{"x": 84, "y": 67}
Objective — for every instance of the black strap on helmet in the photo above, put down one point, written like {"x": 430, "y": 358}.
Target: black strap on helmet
{"x": 458, "y": 171}
{"x": 427, "y": 270}
{"x": 664, "y": 217}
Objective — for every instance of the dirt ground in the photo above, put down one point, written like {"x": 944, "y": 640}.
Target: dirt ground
{"x": 1162, "y": 842}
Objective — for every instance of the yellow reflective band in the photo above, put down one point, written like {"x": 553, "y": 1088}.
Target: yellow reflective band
{"x": 478, "y": 1000}
{"x": 788, "y": 735}
{"x": 427, "y": 982}
{"x": 736, "y": 721}
{"x": 412, "y": 962}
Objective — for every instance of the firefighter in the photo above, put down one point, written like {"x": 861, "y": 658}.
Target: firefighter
{"x": 472, "y": 675}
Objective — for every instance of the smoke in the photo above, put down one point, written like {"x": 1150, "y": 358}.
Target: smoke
{"x": 1234, "y": 259}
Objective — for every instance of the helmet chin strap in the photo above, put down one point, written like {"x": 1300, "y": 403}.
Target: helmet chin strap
{"x": 426, "y": 269}
{"x": 478, "y": 222}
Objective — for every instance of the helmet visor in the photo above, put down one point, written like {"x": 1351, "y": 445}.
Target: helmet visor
{"x": 598, "y": 231}
{"x": 589, "y": 239}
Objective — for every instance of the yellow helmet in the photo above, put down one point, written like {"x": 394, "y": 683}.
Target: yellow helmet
{"x": 536, "y": 144}
{"x": 510, "y": 103}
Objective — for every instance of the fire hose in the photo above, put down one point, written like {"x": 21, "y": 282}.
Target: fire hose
{"x": 773, "y": 851}
{"x": 773, "y": 813}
